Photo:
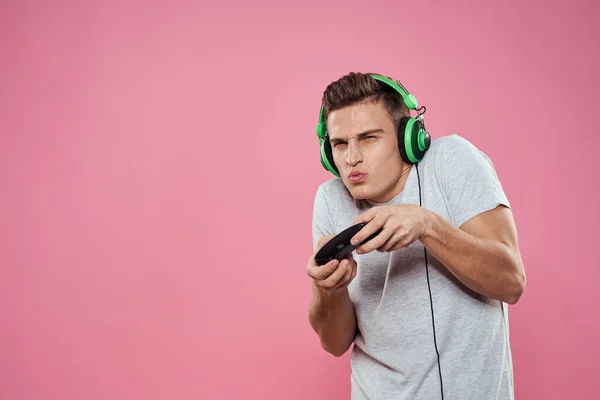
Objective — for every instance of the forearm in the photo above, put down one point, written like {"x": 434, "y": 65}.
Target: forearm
{"x": 333, "y": 318}
{"x": 487, "y": 267}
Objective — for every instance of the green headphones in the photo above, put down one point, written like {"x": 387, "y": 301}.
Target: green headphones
{"x": 413, "y": 139}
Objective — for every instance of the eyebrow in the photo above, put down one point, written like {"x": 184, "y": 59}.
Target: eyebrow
{"x": 360, "y": 135}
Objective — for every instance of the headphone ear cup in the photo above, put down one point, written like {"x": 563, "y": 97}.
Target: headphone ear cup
{"x": 413, "y": 140}
{"x": 327, "y": 157}
{"x": 402, "y": 137}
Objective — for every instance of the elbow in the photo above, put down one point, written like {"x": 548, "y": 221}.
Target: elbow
{"x": 336, "y": 347}
{"x": 336, "y": 350}
{"x": 517, "y": 286}
{"x": 513, "y": 298}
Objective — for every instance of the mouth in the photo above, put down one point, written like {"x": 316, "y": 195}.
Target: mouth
{"x": 357, "y": 176}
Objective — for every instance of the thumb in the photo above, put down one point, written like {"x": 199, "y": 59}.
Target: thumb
{"x": 323, "y": 240}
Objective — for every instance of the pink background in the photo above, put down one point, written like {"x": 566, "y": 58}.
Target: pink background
{"x": 159, "y": 162}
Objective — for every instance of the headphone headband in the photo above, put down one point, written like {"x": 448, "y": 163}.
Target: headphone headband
{"x": 410, "y": 101}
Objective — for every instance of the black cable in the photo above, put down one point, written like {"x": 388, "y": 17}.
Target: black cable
{"x": 430, "y": 297}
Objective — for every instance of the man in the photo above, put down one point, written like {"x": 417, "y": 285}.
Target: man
{"x": 425, "y": 324}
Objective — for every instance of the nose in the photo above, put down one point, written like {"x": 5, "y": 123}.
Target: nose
{"x": 353, "y": 155}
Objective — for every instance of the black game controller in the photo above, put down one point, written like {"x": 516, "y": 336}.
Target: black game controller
{"x": 340, "y": 247}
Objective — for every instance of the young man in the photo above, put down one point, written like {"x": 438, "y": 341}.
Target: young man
{"x": 424, "y": 302}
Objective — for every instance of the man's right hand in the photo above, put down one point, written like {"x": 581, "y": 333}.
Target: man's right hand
{"x": 333, "y": 277}
{"x": 331, "y": 313}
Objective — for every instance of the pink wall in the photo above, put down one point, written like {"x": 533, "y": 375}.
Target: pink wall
{"x": 139, "y": 139}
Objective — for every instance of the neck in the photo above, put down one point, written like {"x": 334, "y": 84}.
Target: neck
{"x": 404, "y": 176}
{"x": 398, "y": 187}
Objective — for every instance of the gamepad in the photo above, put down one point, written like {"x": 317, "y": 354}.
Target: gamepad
{"x": 339, "y": 247}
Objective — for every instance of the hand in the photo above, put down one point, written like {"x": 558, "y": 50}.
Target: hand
{"x": 334, "y": 276}
{"x": 402, "y": 225}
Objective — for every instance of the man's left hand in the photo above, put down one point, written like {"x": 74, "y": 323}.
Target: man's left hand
{"x": 402, "y": 225}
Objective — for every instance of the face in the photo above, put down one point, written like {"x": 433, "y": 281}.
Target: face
{"x": 365, "y": 151}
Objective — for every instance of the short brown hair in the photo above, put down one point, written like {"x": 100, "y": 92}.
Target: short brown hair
{"x": 355, "y": 88}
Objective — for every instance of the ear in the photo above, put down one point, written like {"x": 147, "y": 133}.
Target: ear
{"x": 329, "y": 153}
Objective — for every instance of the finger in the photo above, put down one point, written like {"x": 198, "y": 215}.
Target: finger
{"x": 347, "y": 276}
{"x": 376, "y": 242}
{"x": 366, "y": 216}
{"x": 367, "y": 230}
{"x": 393, "y": 243}
{"x": 403, "y": 242}
{"x": 354, "y": 271}
{"x": 320, "y": 272}
{"x": 323, "y": 240}
{"x": 332, "y": 280}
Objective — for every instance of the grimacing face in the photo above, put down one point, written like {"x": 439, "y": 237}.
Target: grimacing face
{"x": 365, "y": 151}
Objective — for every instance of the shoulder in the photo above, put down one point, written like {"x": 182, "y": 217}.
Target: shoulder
{"x": 452, "y": 145}
{"x": 467, "y": 178}
{"x": 454, "y": 153}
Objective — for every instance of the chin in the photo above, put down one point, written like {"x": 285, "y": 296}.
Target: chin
{"x": 361, "y": 192}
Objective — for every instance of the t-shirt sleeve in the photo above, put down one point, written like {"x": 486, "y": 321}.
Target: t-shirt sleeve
{"x": 322, "y": 223}
{"x": 468, "y": 179}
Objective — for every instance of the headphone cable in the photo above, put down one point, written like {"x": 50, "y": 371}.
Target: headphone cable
{"x": 430, "y": 296}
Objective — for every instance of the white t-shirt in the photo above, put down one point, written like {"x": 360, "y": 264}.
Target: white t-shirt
{"x": 393, "y": 356}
